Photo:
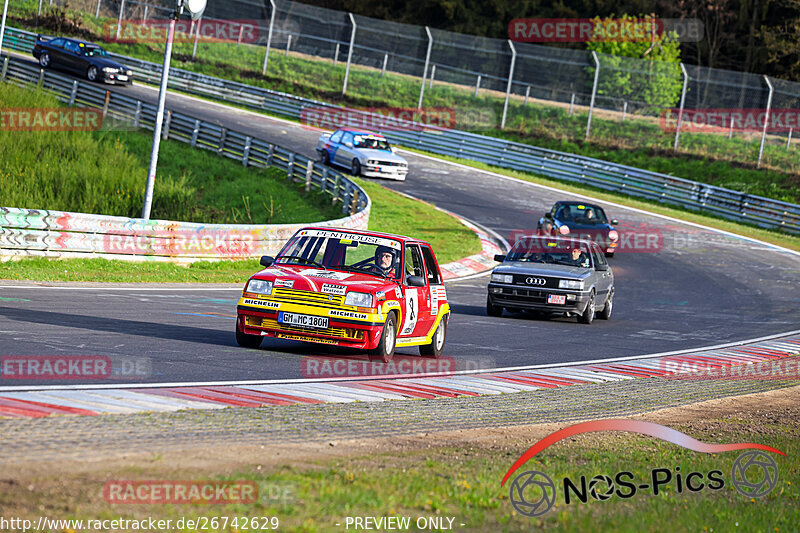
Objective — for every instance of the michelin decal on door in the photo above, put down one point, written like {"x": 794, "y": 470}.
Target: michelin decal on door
{"x": 412, "y": 309}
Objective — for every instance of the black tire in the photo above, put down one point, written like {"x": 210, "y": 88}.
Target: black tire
{"x": 44, "y": 60}
{"x": 91, "y": 73}
{"x": 605, "y": 314}
{"x": 436, "y": 347}
{"x": 324, "y": 157}
{"x": 491, "y": 309}
{"x": 609, "y": 255}
{"x": 384, "y": 352}
{"x": 588, "y": 315}
{"x": 355, "y": 168}
{"x": 246, "y": 340}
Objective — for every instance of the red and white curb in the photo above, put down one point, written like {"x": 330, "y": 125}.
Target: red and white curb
{"x": 766, "y": 354}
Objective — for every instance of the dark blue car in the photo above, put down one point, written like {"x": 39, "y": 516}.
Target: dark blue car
{"x": 81, "y": 57}
{"x": 584, "y": 221}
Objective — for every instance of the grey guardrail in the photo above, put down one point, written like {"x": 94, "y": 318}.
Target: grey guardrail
{"x": 726, "y": 203}
{"x": 39, "y": 232}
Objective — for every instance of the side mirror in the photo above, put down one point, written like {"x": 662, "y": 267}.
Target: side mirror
{"x": 499, "y": 258}
{"x": 614, "y": 222}
{"x": 415, "y": 281}
{"x": 601, "y": 267}
{"x": 266, "y": 261}
{"x": 348, "y": 144}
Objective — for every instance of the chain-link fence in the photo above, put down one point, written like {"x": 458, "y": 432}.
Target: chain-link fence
{"x": 660, "y": 105}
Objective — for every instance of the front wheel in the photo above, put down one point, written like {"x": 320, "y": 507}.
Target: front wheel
{"x": 355, "y": 168}
{"x": 91, "y": 74}
{"x": 491, "y": 309}
{"x": 588, "y": 315}
{"x": 246, "y": 340}
{"x": 436, "y": 347}
{"x": 384, "y": 351}
{"x": 44, "y": 60}
{"x": 324, "y": 157}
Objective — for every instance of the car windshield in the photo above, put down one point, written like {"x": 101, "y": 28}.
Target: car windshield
{"x": 582, "y": 214}
{"x": 94, "y": 51}
{"x": 537, "y": 249}
{"x": 343, "y": 251}
{"x": 373, "y": 143}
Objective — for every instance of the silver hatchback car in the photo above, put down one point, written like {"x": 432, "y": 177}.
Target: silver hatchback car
{"x": 553, "y": 275}
{"x": 362, "y": 152}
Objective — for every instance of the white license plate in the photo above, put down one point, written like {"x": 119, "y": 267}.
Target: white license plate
{"x": 122, "y": 78}
{"x": 306, "y": 321}
{"x": 556, "y": 299}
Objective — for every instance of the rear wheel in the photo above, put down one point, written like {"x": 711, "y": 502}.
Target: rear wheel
{"x": 588, "y": 315}
{"x": 384, "y": 351}
{"x": 44, "y": 60}
{"x": 491, "y": 309}
{"x": 605, "y": 314}
{"x": 436, "y": 347}
{"x": 355, "y": 168}
{"x": 246, "y": 340}
{"x": 91, "y": 74}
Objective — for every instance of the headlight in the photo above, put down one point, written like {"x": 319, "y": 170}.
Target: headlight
{"x": 359, "y": 299}
{"x": 613, "y": 235}
{"x": 259, "y": 286}
{"x": 502, "y": 278}
{"x": 109, "y": 69}
{"x": 570, "y": 284}
{"x": 372, "y": 162}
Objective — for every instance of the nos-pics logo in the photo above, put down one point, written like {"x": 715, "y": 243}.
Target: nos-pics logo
{"x": 533, "y": 493}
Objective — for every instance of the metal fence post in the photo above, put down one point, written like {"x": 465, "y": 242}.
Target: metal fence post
{"x": 624, "y": 109}
{"x": 766, "y": 122}
{"x": 119, "y": 19}
{"x": 41, "y": 77}
{"x": 269, "y": 35}
{"x": 527, "y": 94}
{"x": 433, "y": 75}
{"x": 730, "y": 129}
{"x": 425, "y": 70}
{"x": 138, "y": 115}
{"x": 3, "y": 23}
{"x": 510, "y": 81}
{"x": 270, "y": 154}
{"x": 248, "y": 141}
{"x": 196, "y": 37}
{"x": 167, "y": 120}
{"x": 290, "y": 167}
{"x": 97, "y": 11}
{"x": 288, "y": 44}
{"x": 477, "y": 85}
{"x": 385, "y": 60}
{"x": 241, "y": 32}
{"x": 309, "y": 173}
{"x": 324, "y": 185}
{"x": 223, "y": 136}
{"x": 349, "y": 53}
{"x": 74, "y": 93}
{"x": 5, "y": 69}
{"x": 680, "y": 111}
{"x": 789, "y": 139}
{"x": 594, "y": 92}
{"x": 336, "y": 54}
{"x": 195, "y": 132}
{"x": 571, "y": 103}
{"x": 144, "y": 18}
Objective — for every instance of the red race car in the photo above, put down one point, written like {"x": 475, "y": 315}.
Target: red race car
{"x": 360, "y": 289}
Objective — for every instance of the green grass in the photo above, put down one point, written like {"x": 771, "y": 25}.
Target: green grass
{"x": 638, "y": 142}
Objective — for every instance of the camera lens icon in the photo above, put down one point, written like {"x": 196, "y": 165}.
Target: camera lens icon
{"x": 754, "y": 474}
{"x": 532, "y": 493}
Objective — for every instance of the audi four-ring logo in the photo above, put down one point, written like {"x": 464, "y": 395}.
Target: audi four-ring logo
{"x": 535, "y": 281}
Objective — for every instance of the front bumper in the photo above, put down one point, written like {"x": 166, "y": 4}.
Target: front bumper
{"x": 517, "y": 297}
{"x": 399, "y": 175}
{"x": 113, "y": 78}
{"x": 362, "y": 331}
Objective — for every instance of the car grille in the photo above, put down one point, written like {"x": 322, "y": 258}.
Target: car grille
{"x": 341, "y": 333}
{"x": 525, "y": 295}
{"x": 550, "y": 283}
{"x": 282, "y": 294}
{"x": 390, "y": 164}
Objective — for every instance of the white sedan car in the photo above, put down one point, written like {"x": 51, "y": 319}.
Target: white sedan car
{"x": 363, "y": 152}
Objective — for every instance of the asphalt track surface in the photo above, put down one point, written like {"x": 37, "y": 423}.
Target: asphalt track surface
{"x": 683, "y": 287}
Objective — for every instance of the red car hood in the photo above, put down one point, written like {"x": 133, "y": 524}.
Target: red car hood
{"x": 311, "y": 278}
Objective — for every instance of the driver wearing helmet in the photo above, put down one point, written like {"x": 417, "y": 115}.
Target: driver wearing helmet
{"x": 385, "y": 259}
